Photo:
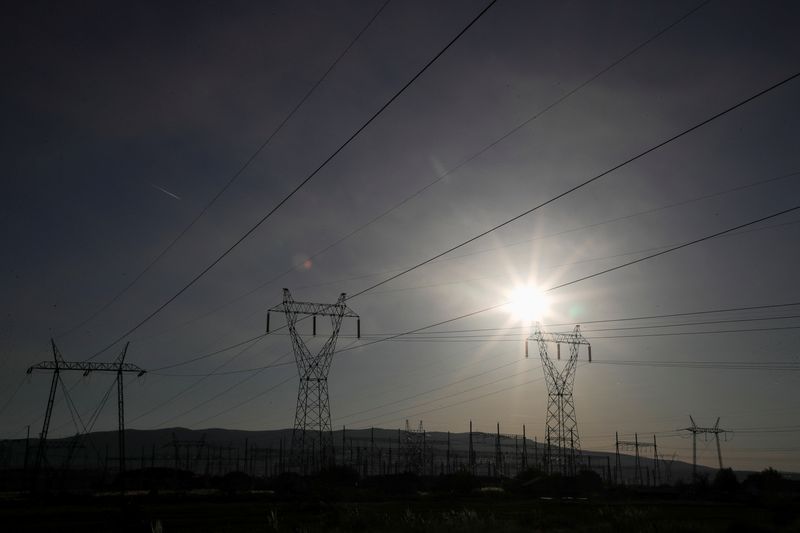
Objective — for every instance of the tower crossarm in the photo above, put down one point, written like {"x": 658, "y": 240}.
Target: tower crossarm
{"x": 87, "y": 366}
{"x": 311, "y": 308}
{"x": 559, "y": 338}
{"x": 714, "y": 430}
{"x": 629, "y": 444}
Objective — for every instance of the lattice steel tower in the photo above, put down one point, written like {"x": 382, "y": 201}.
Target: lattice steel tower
{"x": 562, "y": 452}
{"x": 58, "y": 365}
{"x": 695, "y": 430}
{"x": 312, "y": 441}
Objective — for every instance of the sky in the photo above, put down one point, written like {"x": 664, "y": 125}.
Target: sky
{"x": 122, "y": 121}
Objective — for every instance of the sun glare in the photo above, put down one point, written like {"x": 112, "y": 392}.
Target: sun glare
{"x": 528, "y": 304}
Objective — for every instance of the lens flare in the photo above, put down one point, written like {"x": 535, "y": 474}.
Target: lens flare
{"x": 528, "y": 303}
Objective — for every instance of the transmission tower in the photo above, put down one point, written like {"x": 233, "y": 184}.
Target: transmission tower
{"x": 561, "y": 428}
{"x": 694, "y": 429}
{"x": 312, "y": 440}
{"x": 58, "y": 365}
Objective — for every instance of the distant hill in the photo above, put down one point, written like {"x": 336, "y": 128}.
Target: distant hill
{"x": 217, "y": 450}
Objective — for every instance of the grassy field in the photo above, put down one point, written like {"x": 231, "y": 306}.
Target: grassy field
{"x": 485, "y": 512}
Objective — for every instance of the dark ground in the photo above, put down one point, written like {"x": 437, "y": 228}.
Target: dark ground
{"x": 339, "y": 500}
{"x": 480, "y": 512}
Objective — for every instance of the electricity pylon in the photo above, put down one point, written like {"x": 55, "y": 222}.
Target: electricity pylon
{"x": 561, "y": 428}
{"x": 694, "y": 429}
{"x": 58, "y": 365}
{"x": 312, "y": 441}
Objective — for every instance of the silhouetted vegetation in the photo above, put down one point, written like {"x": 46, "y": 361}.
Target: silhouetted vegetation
{"x": 725, "y": 482}
{"x": 339, "y": 499}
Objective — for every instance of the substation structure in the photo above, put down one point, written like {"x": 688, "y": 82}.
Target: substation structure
{"x": 642, "y": 476}
{"x": 312, "y": 441}
{"x": 57, "y": 366}
{"x": 562, "y": 441}
{"x": 177, "y": 461}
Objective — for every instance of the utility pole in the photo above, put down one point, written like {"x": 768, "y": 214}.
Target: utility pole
{"x": 58, "y": 365}
{"x": 617, "y": 465}
{"x": 448, "y": 452}
{"x": 498, "y": 455}
{"x": 471, "y": 451}
{"x": 656, "y": 470}
{"x": 561, "y": 427}
{"x": 344, "y": 445}
{"x": 312, "y": 421}
{"x": 27, "y": 447}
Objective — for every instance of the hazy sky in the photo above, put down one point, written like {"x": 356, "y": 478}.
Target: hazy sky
{"x": 120, "y": 122}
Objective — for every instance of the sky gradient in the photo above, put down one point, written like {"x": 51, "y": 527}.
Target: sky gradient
{"x": 122, "y": 122}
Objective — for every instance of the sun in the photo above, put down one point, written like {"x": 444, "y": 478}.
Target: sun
{"x": 528, "y": 303}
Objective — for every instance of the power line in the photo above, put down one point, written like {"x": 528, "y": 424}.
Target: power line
{"x": 195, "y": 383}
{"x": 210, "y": 354}
{"x": 157, "y": 371}
{"x": 582, "y": 261}
{"x": 435, "y": 336}
{"x": 467, "y": 400}
{"x": 260, "y": 394}
{"x": 401, "y": 289}
{"x": 476, "y": 330}
{"x": 462, "y": 380}
{"x": 648, "y": 317}
{"x": 626, "y": 217}
{"x": 299, "y": 185}
{"x": 495, "y": 248}
{"x": 678, "y": 247}
{"x": 561, "y": 195}
{"x": 481, "y": 340}
{"x": 748, "y": 330}
{"x": 235, "y": 385}
{"x": 226, "y": 373}
{"x": 468, "y": 160}
{"x": 209, "y": 400}
{"x": 232, "y": 179}
{"x": 584, "y": 183}
{"x": 717, "y": 365}
{"x": 708, "y": 237}
{"x": 724, "y": 365}
{"x": 457, "y": 335}
{"x": 255, "y": 338}
{"x": 584, "y": 278}
{"x": 511, "y": 132}
{"x": 488, "y": 338}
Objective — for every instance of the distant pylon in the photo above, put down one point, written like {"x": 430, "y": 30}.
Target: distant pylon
{"x": 312, "y": 438}
{"x": 695, "y": 430}
{"x": 561, "y": 428}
